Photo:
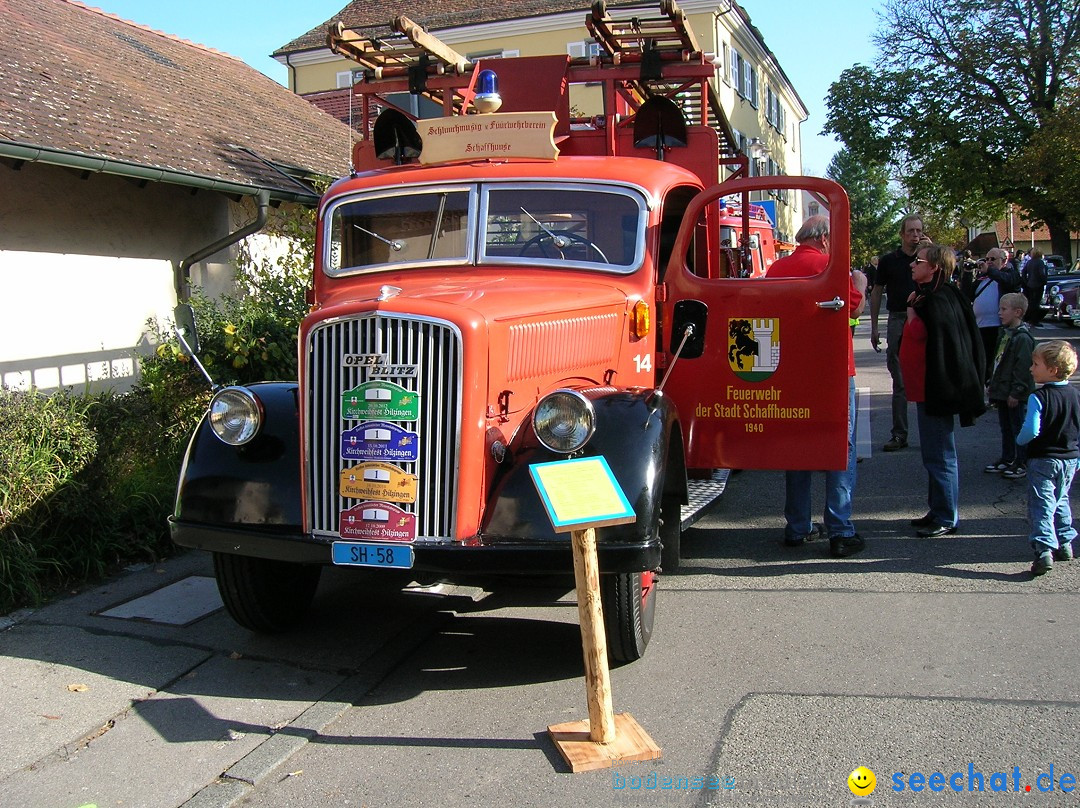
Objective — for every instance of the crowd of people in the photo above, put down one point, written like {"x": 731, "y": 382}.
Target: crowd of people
{"x": 958, "y": 341}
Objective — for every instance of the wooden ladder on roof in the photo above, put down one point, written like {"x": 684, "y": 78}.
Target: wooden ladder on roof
{"x": 411, "y": 53}
{"x": 652, "y": 40}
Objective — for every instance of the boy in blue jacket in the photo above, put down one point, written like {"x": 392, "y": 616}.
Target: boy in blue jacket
{"x": 1050, "y": 432}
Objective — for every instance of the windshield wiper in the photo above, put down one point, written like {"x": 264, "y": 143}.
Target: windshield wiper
{"x": 395, "y": 245}
{"x": 560, "y": 242}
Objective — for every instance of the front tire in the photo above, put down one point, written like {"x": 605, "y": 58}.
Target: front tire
{"x": 264, "y": 595}
{"x": 629, "y": 602}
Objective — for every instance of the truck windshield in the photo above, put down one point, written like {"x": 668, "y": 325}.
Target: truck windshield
{"x": 411, "y": 228}
{"x": 579, "y": 225}
{"x": 526, "y": 224}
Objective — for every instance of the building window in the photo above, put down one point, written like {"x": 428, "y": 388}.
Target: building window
{"x": 344, "y": 79}
{"x": 774, "y": 111}
{"x": 744, "y": 77}
{"x": 579, "y": 50}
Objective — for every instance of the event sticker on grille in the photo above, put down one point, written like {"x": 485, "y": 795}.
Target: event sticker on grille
{"x": 378, "y": 521}
{"x": 378, "y": 481}
{"x": 379, "y": 440}
{"x": 380, "y": 399}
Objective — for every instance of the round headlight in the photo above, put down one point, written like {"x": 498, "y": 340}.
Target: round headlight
{"x": 1059, "y": 299}
{"x": 1055, "y": 289}
{"x": 235, "y": 415}
{"x": 564, "y": 421}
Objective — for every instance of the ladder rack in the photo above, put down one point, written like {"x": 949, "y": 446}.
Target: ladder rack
{"x": 652, "y": 41}
{"x": 641, "y": 56}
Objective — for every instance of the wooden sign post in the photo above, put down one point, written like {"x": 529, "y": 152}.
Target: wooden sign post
{"x": 579, "y": 496}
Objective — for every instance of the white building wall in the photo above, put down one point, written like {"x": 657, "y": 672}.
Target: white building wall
{"x": 85, "y": 261}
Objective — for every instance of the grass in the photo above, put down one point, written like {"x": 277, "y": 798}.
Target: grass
{"x": 86, "y": 485}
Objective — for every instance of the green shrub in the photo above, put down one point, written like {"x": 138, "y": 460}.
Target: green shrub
{"x": 85, "y": 484}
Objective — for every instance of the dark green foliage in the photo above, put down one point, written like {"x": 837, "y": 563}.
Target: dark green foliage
{"x": 85, "y": 484}
{"x": 970, "y": 107}
{"x": 874, "y": 208}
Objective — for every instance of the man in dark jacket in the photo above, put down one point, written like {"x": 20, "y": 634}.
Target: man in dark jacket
{"x": 893, "y": 281}
{"x": 1034, "y": 284}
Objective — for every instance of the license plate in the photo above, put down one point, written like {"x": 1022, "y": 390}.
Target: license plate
{"x": 361, "y": 554}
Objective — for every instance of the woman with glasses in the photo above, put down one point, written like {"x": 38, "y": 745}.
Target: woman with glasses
{"x": 942, "y": 360}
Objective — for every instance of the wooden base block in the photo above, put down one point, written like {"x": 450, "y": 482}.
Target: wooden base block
{"x": 631, "y": 744}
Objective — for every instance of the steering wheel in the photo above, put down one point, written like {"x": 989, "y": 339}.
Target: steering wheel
{"x": 538, "y": 242}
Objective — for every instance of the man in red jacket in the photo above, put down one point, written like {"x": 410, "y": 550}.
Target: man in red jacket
{"x": 810, "y": 258}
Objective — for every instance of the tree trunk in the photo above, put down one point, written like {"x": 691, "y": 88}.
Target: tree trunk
{"x": 1060, "y": 244}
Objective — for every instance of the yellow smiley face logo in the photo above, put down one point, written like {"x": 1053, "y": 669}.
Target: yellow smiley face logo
{"x": 862, "y": 782}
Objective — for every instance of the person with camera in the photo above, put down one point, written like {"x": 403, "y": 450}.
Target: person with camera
{"x": 992, "y": 277}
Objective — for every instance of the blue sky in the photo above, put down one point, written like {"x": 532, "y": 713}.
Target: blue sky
{"x": 812, "y": 43}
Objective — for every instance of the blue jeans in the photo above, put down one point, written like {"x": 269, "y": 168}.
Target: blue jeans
{"x": 1010, "y": 419}
{"x": 937, "y": 441}
{"x": 1049, "y": 513}
{"x": 838, "y": 488}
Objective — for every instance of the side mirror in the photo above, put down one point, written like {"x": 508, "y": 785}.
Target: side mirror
{"x": 184, "y": 316}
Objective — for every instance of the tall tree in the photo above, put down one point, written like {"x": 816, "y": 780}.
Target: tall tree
{"x": 874, "y": 208}
{"x": 964, "y": 97}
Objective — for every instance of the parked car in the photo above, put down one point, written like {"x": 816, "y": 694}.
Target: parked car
{"x": 1060, "y": 300}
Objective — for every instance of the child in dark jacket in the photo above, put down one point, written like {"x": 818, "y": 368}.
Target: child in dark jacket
{"x": 1011, "y": 383}
{"x": 1051, "y": 430}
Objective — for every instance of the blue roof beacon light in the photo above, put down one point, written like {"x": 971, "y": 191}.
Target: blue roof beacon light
{"x": 487, "y": 98}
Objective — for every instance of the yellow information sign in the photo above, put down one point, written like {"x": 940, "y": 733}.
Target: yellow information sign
{"x": 581, "y": 493}
{"x": 496, "y": 134}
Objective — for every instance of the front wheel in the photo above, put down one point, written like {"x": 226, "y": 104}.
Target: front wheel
{"x": 264, "y": 595}
{"x": 629, "y": 601}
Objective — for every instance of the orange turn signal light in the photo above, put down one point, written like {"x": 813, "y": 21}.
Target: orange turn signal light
{"x": 642, "y": 322}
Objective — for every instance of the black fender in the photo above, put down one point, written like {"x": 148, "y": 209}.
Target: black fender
{"x": 254, "y": 485}
{"x": 638, "y": 433}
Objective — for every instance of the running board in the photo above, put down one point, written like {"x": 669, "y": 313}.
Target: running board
{"x": 703, "y": 494}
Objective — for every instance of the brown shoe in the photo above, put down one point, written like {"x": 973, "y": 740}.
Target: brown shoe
{"x": 895, "y": 444}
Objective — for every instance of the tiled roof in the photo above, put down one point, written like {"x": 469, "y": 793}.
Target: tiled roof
{"x": 338, "y": 103}
{"x": 77, "y": 81}
{"x": 436, "y": 15}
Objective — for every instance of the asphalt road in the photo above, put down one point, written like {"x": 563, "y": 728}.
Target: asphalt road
{"x": 772, "y": 674}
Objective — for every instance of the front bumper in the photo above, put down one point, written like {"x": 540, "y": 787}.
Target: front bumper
{"x": 494, "y": 557}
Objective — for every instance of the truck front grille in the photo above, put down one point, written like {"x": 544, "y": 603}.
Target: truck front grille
{"x": 336, "y": 352}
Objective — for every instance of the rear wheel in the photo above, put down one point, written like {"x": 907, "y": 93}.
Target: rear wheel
{"x": 264, "y": 595}
{"x": 629, "y": 601}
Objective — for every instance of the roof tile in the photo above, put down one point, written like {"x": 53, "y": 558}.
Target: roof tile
{"x": 75, "y": 79}
{"x": 436, "y": 15}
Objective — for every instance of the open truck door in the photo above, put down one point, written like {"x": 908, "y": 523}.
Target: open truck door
{"x": 761, "y": 381}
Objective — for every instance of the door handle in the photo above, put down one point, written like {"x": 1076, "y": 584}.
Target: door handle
{"x": 835, "y": 304}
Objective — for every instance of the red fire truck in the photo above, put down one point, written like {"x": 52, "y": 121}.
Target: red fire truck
{"x": 494, "y": 290}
